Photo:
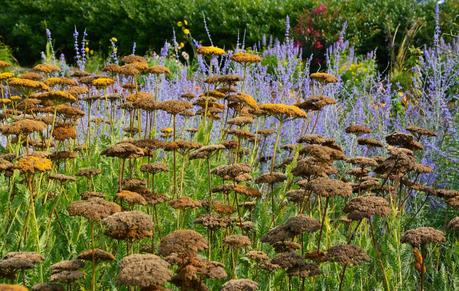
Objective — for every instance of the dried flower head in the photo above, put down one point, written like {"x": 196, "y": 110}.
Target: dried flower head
{"x": 62, "y": 178}
{"x": 47, "y": 287}
{"x": 88, "y": 172}
{"x": 358, "y": 129}
{"x": 367, "y": 206}
{"x": 326, "y": 187}
{"x": 93, "y": 208}
{"x": 271, "y": 178}
{"x": 420, "y": 131}
{"x": 175, "y": 106}
{"x": 128, "y": 225}
{"x": 231, "y": 172}
{"x": 237, "y": 241}
{"x": 144, "y": 270}
{"x": 287, "y": 260}
{"x": 453, "y": 224}
{"x": 206, "y": 151}
{"x": 159, "y": 70}
{"x": 64, "y": 132}
{"x": 316, "y": 103}
{"x": 97, "y": 255}
{"x": 183, "y": 243}
{"x": 212, "y": 222}
{"x": 422, "y": 235}
{"x": 347, "y": 255}
{"x": 123, "y": 150}
{"x": 362, "y": 161}
{"x": 154, "y": 168}
{"x": 184, "y": 202}
{"x": 66, "y": 276}
{"x": 23, "y": 126}
{"x": 240, "y": 285}
{"x": 292, "y": 227}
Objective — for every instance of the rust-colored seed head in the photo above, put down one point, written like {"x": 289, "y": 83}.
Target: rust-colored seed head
{"x": 89, "y": 172}
{"x": 240, "y": 285}
{"x": 131, "y": 197}
{"x": 421, "y": 131}
{"x": 362, "y": 161}
{"x": 316, "y": 103}
{"x": 93, "y": 209}
{"x": 324, "y": 77}
{"x": 205, "y": 151}
{"x": 231, "y": 172}
{"x": 212, "y": 222}
{"x": 282, "y": 110}
{"x": 453, "y": 224}
{"x": 23, "y": 126}
{"x": 422, "y": 235}
{"x": 128, "y": 225}
{"x": 367, "y": 206}
{"x": 184, "y": 202}
{"x": 237, "y": 241}
{"x": 347, "y": 255}
{"x": 62, "y": 133}
{"x": 183, "y": 242}
{"x": 154, "y": 168}
{"x": 144, "y": 270}
{"x": 71, "y": 265}
{"x": 62, "y": 178}
{"x": 370, "y": 142}
{"x": 175, "y": 106}
{"x": 66, "y": 276}
{"x": 322, "y": 153}
{"x": 292, "y": 227}
{"x": 288, "y": 260}
{"x": 304, "y": 271}
{"x": 98, "y": 255}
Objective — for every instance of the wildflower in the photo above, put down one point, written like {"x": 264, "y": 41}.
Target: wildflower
{"x": 175, "y": 106}
{"x": 347, "y": 255}
{"x": 421, "y": 131}
{"x": 31, "y": 76}
{"x": 133, "y": 59}
{"x": 327, "y": 187}
{"x": 128, "y": 225}
{"x": 316, "y": 103}
{"x": 103, "y": 82}
{"x": 179, "y": 24}
{"x": 240, "y": 285}
{"x": 186, "y": 31}
{"x": 453, "y": 224}
{"x": 324, "y": 77}
{"x": 183, "y": 243}
{"x": 242, "y": 57}
{"x": 370, "y": 142}
{"x": 292, "y": 227}
{"x": 27, "y": 83}
{"x": 47, "y": 287}
{"x": 114, "y": 39}
{"x": 283, "y": 110}
{"x": 5, "y": 76}
{"x": 4, "y": 64}
{"x": 205, "y": 151}
{"x": 422, "y": 235}
{"x": 11, "y": 287}
{"x": 245, "y": 99}
{"x": 32, "y": 164}
{"x": 184, "y": 202}
{"x": 358, "y": 129}
{"x": 144, "y": 270}
{"x": 210, "y": 51}
{"x": 271, "y": 178}
{"x": 158, "y": 70}
{"x": 123, "y": 150}
{"x": 94, "y": 208}
{"x": 4, "y": 101}
{"x": 46, "y": 68}
{"x": 237, "y": 241}
{"x": 153, "y": 168}
{"x": 131, "y": 197}
{"x": 97, "y": 254}
{"x": 367, "y": 206}
{"x": 61, "y": 178}
{"x": 60, "y": 81}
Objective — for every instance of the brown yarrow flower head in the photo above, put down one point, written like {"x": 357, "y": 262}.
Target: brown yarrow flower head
{"x": 215, "y": 79}
{"x": 46, "y": 68}
{"x": 62, "y": 178}
{"x": 183, "y": 243}
{"x": 304, "y": 271}
{"x": 88, "y": 172}
{"x": 47, "y": 287}
{"x": 205, "y": 151}
{"x": 237, "y": 241}
{"x": 95, "y": 254}
{"x": 287, "y": 260}
{"x": 367, "y": 206}
{"x": 158, "y": 70}
{"x": 67, "y": 265}
{"x": 358, "y": 129}
{"x": 403, "y": 140}
{"x": 128, "y": 225}
{"x": 154, "y": 168}
{"x": 316, "y": 103}
{"x": 271, "y": 178}
{"x": 232, "y": 172}
{"x": 175, "y": 106}
{"x": 93, "y": 208}
{"x": 240, "y": 285}
{"x": 370, "y": 142}
{"x": 420, "y": 131}
{"x": 362, "y": 161}
{"x": 292, "y": 227}
{"x": 326, "y": 187}
{"x": 453, "y": 224}
{"x": 212, "y": 222}
{"x": 144, "y": 270}
{"x": 347, "y": 255}
{"x": 23, "y": 126}
{"x": 311, "y": 166}
{"x": 65, "y": 132}
{"x": 184, "y": 202}
{"x": 124, "y": 150}
{"x": 322, "y": 153}
{"x": 422, "y": 235}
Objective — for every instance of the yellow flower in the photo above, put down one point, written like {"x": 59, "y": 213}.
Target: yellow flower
{"x": 4, "y": 101}
{"x": 86, "y": 49}
{"x": 181, "y": 45}
{"x": 15, "y": 98}
{"x": 166, "y": 130}
{"x": 185, "y": 21}
{"x": 242, "y": 57}
{"x": 179, "y": 24}
{"x": 324, "y": 77}
{"x": 31, "y": 164}
{"x": 5, "y": 75}
{"x": 114, "y": 39}
{"x": 91, "y": 52}
{"x": 282, "y": 110}
{"x": 26, "y": 83}
{"x": 186, "y": 31}
{"x": 103, "y": 82}
{"x": 210, "y": 50}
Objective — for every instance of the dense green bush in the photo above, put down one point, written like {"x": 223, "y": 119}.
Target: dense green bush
{"x": 371, "y": 24}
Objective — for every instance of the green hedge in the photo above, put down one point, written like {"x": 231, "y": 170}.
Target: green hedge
{"x": 150, "y": 22}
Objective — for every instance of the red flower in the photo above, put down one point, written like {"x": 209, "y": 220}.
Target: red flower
{"x": 318, "y": 45}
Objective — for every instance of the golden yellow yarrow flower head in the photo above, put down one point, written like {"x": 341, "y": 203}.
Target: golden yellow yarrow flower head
{"x": 103, "y": 82}
{"x": 210, "y": 51}
{"x": 241, "y": 57}
{"x": 6, "y": 75}
{"x": 324, "y": 77}
{"x": 15, "y": 98}
{"x": 166, "y": 130}
{"x": 32, "y": 164}
{"x": 186, "y": 31}
{"x": 114, "y": 39}
{"x": 179, "y": 24}
{"x": 4, "y": 101}
{"x": 282, "y": 110}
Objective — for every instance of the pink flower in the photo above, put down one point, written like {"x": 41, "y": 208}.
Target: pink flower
{"x": 322, "y": 8}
